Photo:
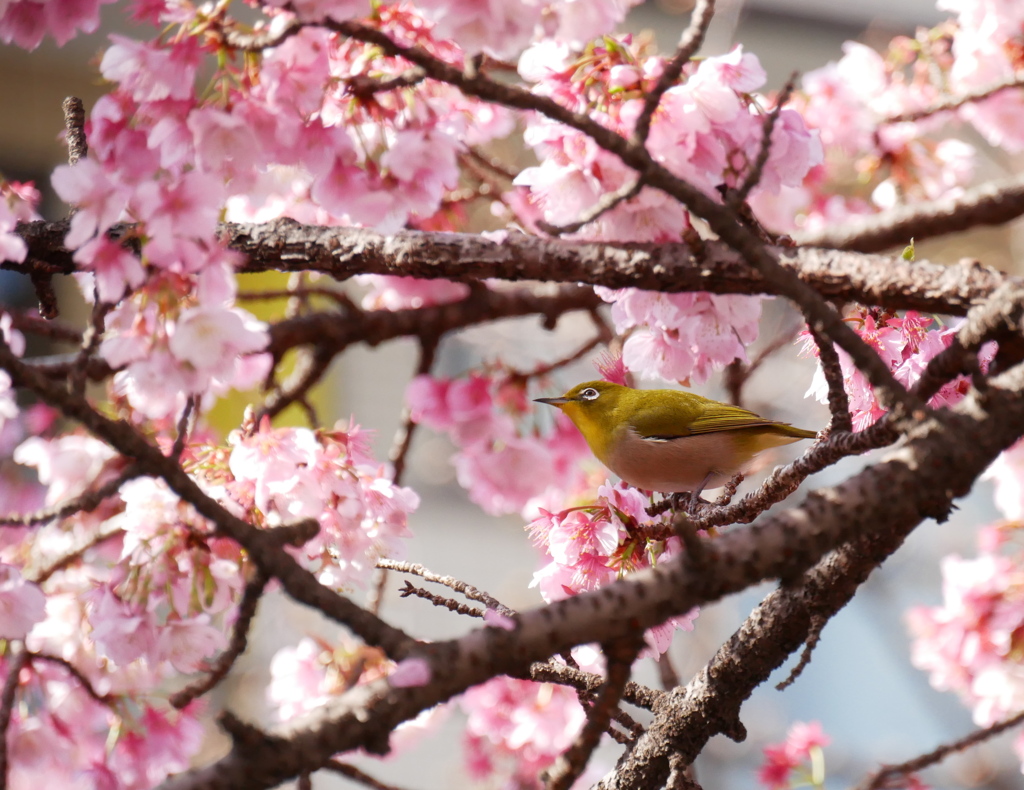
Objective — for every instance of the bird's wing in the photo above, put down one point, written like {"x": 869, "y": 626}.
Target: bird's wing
{"x": 692, "y": 417}
{"x": 723, "y": 417}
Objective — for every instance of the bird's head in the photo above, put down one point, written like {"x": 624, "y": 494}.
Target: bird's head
{"x": 591, "y": 405}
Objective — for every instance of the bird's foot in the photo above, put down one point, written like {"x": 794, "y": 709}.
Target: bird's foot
{"x": 689, "y": 502}
{"x": 696, "y": 503}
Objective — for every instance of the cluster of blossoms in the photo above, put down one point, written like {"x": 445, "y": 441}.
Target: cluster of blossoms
{"x": 974, "y": 642}
{"x": 707, "y": 130}
{"x": 595, "y": 544}
{"x": 682, "y": 336}
{"x": 907, "y": 343}
{"x": 798, "y": 762}
{"x": 516, "y": 729}
{"x": 504, "y": 469}
{"x": 872, "y": 111}
{"x": 150, "y": 600}
{"x": 158, "y": 594}
{"x": 888, "y": 161}
{"x": 178, "y": 336}
{"x": 284, "y": 475}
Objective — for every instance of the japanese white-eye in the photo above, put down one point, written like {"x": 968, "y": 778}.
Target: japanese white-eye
{"x": 669, "y": 441}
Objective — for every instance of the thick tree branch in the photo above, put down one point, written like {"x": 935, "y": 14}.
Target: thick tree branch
{"x": 285, "y": 245}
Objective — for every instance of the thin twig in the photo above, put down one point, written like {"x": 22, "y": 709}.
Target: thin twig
{"x": 239, "y": 640}
{"x": 692, "y": 38}
{"x": 955, "y": 102}
{"x": 90, "y": 342}
{"x": 607, "y": 202}
{"x": 309, "y": 369}
{"x": 838, "y": 400}
{"x": 76, "y": 554}
{"x": 262, "y": 39}
{"x": 364, "y": 87}
{"x": 544, "y": 370}
{"x": 554, "y": 672}
{"x": 667, "y": 672}
{"x": 737, "y": 198}
{"x": 620, "y": 656}
{"x": 55, "y": 330}
{"x": 491, "y": 163}
{"x": 74, "y": 128}
{"x": 813, "y": 637}
{"x": 461, "y": 587}
{"x": 439, "y": 600}
{"x": 71, "y": 669}
{"x": 182, "y": 436}
{"x": 890, "y": 772}
{"x": 84, "y": 503}
{"x": 403, "y": 438}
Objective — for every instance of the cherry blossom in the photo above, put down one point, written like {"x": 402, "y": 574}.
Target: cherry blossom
{"x": 517, "y": 728}
{"x": 592, "y": 545}
{"x": 22, "y": 604}
{"x": 906, "y": 344}
{"x": 785, "y": 765}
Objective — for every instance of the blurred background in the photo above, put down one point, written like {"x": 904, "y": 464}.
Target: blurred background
{"x": 860, "y": 684}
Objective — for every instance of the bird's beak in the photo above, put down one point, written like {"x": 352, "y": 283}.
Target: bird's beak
{"x": 553, "y": 401}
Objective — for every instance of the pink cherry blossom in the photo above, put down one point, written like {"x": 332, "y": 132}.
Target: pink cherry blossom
{"x": 17, "y": 204}
{"x": 114, "y": 268}
{"x": 187, "y": 644}
{"x": 410, "y": 673}
{"x": 501, "y": 29}
{"x": 209, "y": 338}
{"x": 68, "y": 465}
{"x": 785, "y": 766}
{"x": 516, "y": 728}
{"x": 26, "y": 22}
{"x": 1005, "y": 473}
{"x": 682, "y": 337}
{"x": 148, "y": 72}
{"x": 98, "y": 198}
{"x": 162, "y": 744}
{"x": 22, "y": 604}
{"x": 296, "y": 679}
{"x": 121, "y": 632}
{"x": 186, "y": 207}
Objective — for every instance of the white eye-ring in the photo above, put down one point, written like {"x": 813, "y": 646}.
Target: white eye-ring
{"x": 590, "y": 394}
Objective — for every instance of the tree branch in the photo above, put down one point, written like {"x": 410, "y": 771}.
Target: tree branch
{"x": 994, "y": 203}
{"x": 285, "y": 245}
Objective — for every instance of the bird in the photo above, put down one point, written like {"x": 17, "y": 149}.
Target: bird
{"x": 667, "y": 440}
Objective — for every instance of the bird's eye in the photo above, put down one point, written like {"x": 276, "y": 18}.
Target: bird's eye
{"x": 589, "y": 394}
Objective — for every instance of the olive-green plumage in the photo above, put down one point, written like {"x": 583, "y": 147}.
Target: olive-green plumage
{"x": 666, "y": 440}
